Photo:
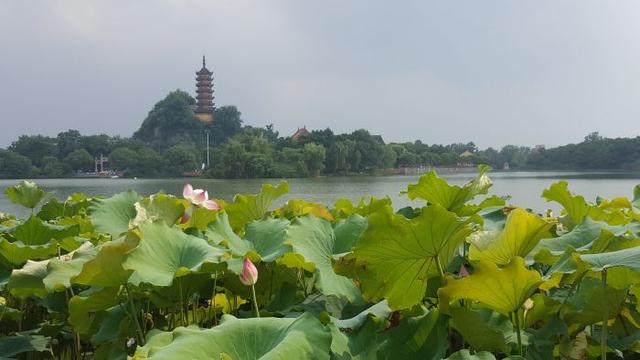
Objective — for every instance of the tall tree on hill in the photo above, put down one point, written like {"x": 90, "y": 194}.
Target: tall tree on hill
{"x": 171, "y": 122}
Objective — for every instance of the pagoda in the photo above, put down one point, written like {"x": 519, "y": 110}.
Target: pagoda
{"x": 204, "y": 90}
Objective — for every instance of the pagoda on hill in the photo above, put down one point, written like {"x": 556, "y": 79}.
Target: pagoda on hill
{"x": 204, "y": 94}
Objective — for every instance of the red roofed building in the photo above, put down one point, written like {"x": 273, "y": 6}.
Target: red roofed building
{"x": 300, "y": 133}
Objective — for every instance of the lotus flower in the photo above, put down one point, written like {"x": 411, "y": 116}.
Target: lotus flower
{"x": 249, "y": 273}
{"x": 463, "y": 271}
{"x": 197, "y": 197}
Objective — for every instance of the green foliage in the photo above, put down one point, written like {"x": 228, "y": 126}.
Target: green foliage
{"x": 79, "y": 159}
{"x": 26, "y": 193}
{"x": 132, "y": 276}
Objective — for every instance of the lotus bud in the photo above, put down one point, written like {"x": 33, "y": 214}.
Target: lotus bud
{"x": 463, "y": 271}
{"x": 249, "y": 273}
{"x": 528, "y": 305}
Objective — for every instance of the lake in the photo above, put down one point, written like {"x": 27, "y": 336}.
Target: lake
{"x": 525, "y": 188}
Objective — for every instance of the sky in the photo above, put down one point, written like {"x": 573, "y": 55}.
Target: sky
{"x": 493, "y": 72}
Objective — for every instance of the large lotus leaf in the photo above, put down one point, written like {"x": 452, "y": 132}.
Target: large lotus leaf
{"x": 263, "y": 338}
{"x": 165, "y": 252}
{"x": 110, "y": 255}
{"x": 395, "y": 256}
{"x": 18, "y": 344}
{"x": 591, "y": 303}
{"x": 27, "y": 281}
{"x": 73, "y": 205}
{"x": 60, "y": 270}
{"x": 314, "y": 239}
{"x": 358, "y": 337}
{"x": 437, "y": 190}
{"x": 81, "y": 306}
{"x": 581, "y": 237}
{"x": 356, "y": 344}
{"x": 114, "y": 325}
{"x": 381, "y": 309}
{"x": 200, "y": 218}
{"x": 629, "y": 258}
{"x": 298, "y": 207}
{"x": 26, "y": 193}
{"x": 267, "y": 238}
{"x": 182, "y": 288}
{"x": 162, "y": 206}
{"x": 575, "y": 206}
{"x": 348, "y": 231}
{"x": 18, "y": 253}
{"x": 503, "y": 290}
{"x": 37, "y": 232}
{"x": 420, "y": 334}
{"x": 523, "y": 230}
{"x": 344, "y": 208}
{"x": 483, "y": 329}
{"x": 112, "y": 216}
{"x": 248, "y": 207}
{"x": 264, "y": 237}
{"x": 544, "y": 308}
{"x": 636, "y": 196}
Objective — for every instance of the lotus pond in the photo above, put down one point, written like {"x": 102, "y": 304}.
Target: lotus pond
{"x": 463, "y": 275}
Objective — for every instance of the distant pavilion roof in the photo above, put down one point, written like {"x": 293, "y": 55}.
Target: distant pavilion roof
{"x": 300, "y": 133}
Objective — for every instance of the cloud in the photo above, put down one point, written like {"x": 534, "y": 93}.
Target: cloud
{"x": 495, "y": 72}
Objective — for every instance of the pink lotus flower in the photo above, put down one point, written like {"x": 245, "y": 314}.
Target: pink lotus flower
{"x": 249, "y": 273}
{"x": 197, "y": 197}
{"x": 463, "y": 271}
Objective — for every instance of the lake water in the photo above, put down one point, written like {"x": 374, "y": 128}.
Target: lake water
{"x": 525, "y": 188}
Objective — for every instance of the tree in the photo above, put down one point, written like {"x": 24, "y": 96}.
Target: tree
{"x": 182, "y": 158}
{"x": 171, "y": 122}
{"x": 68, "y": 141}
{"x": 314, "y": 156}
{"x": 35, "y": 147}
{"x": 54, "y": 168}
{"x": 594, "y": 136}
{"x": 122, "y": 159}
{"x": 79, "y": 159}
{"x": 14, "y": 165}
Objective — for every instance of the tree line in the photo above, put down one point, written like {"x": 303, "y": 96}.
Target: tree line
{"x": 171, "y": 141}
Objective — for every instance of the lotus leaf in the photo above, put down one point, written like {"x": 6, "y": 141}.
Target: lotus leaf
{"x": 18, "y": 344}
{"x": 166, "y": 252}
{"x": 437, "y": 190}
{"x": 26, "y": 193}
{"x": 314, "y": 239}
{"x": 112, "y": 216}
{"x": 522, "y": 231}
{"x": 264, "y": 237}
{"x": 575, "y": 206}
{"x": 265, "y": 338}
{"x": 246, "y": 208}
{"x": 503, "y": 290}
{"x": 629, "y": 258}
{"x": 395, "y": 256}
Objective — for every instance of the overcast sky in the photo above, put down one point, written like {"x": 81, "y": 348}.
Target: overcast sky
{"x": 492, "y": 72}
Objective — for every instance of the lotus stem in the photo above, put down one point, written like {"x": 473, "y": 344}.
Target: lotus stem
{"x": 603, "y": 334}
{"x": 255, "y": 301}
{"x": 439, "y": 265}
{"x": 517, "y": 325}
{"x": 213, "y": 301}
{"x": 134, "y": 315}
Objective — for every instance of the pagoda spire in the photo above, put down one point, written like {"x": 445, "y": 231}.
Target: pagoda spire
{"x": 204, "y": 93}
